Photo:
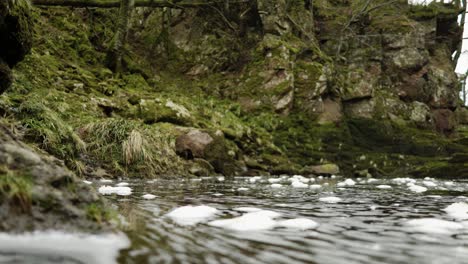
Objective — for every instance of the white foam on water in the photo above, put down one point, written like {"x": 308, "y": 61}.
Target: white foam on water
{"x": 429, "y": 183}
{"x": 372, "y": 180}
{"x": 276, "y": 186}
{"x": 384, "y": 187}
{"x": 315, "y": 186}
{"x": 85, "y": 248}
{"x": 121, "y": 184}
{"x": 87, "y": 182}
{"x": 417, "y": 188}
{"x": 108, "y": 190}
{"x": 304, "y": 180}
{"x": 192, "y": 215}
{"x": 347, "y": 182}
{"x": 106, "y": 181}
{"x": 221, "y": 179}
{"x": 459, "y": 211}
{"x": 403, "y": 180}
{"x": 274, "y": 180}
{"x": 254, "y": 179}
{"x": 298, "y": 184}
{"x": 148, "y": 196}
{"x": 253, "y": 221}
{"x": 434, "y": 225}
{"x": 217, "y": 194}
{"x": 298, "y": 178}
{"x": 298, "y": 223}
{"x": 331, "y": 199}
{"x": 242, "y": 189}
{"x": 449, "y": 183}
{"x": 247, "y": 222}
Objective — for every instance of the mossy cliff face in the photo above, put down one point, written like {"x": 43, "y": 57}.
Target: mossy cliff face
{"x": 279, "y": 87}
{"x": 37, "y": 191}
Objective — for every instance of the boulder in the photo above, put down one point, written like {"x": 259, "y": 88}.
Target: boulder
{"x": 154, "y": 111}
{"x": 193, "y": 144}
{"x": 37, "y": 191}
{"x": 197, "y": 144}
{"x": 325, "y": 169}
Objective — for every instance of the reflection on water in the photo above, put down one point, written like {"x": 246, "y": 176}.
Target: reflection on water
{"x": 369, "y": 223}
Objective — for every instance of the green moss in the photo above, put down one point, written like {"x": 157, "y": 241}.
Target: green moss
{"x": 16, "y": 189}
{"x": 100, "y": 214}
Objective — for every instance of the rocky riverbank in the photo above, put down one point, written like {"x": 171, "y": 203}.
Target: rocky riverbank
{"x": 267, "y": 87}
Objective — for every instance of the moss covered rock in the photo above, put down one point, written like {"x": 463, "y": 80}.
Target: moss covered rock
{"x": 15, "y": 36}
{"x": 37, "y": 191}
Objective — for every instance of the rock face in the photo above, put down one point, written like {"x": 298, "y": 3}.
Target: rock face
{"x": 15, "y": 36}
{"x": 37, "y": 191}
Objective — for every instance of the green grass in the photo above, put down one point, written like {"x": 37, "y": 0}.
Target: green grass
{"x": 16, "y": 189}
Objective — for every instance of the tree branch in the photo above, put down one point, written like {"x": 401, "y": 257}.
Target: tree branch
{"x": 138, "y": 3}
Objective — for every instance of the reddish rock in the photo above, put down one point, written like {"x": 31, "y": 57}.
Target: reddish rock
{"x": 444, "y": 120}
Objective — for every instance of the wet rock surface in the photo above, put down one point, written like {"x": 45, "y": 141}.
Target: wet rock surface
{"x": 39, "y": 192}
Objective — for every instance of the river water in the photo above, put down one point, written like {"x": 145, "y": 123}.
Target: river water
{"x": 245, "y": 220}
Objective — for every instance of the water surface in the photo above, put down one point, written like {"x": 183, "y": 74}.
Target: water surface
{"x": 368, "y": 225}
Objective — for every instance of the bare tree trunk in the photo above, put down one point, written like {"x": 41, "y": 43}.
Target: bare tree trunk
{"x": 117, "y": 50}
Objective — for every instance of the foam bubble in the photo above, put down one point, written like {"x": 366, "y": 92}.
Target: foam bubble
{"x": 417, "y": 188}
{"x": 82, "y": 248}
{"x": 347, "y": 182}
{"x": 315, "y": 186}
{"x": 108, "y": 190}
{"x": 433, "y": 225}
{"x": 383, "y": 187}
{"x": 429, "y": 183}
{"x": 458, "y": 211}
{"x": 148, "y": 196}
{"x": 331, "y": 199}
{"x": 298, "y": 223}
{"x": 192, "y": 215}
{"x": 298, "y": 184}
